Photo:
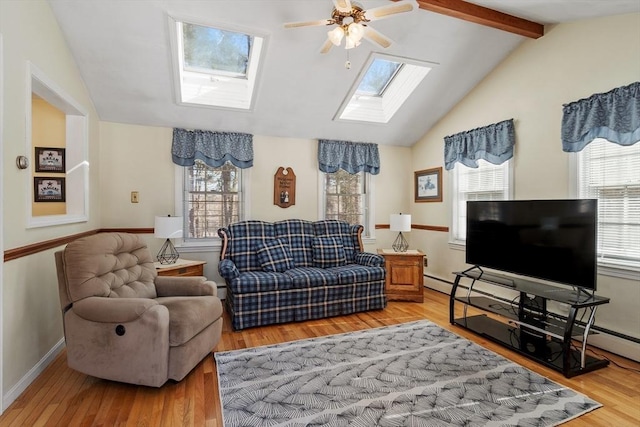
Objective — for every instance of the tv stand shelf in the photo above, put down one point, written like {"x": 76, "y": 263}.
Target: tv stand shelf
{"x": 525, "y": 325}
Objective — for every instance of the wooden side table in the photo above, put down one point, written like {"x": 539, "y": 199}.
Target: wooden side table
{"x": 405, "y": 274}
{"x": 182, "y": 267}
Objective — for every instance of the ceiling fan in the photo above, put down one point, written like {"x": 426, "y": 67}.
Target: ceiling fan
{"x": 352, "y": 21}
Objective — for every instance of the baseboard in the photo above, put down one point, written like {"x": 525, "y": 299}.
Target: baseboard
{"x": 438, "y": 284}
{"x": 615, "y": 345}
{"x": 30, "y": 376}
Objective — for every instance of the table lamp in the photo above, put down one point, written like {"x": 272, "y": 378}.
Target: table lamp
{"x": 168, "y": 227}
{"x": 400, "y": 223}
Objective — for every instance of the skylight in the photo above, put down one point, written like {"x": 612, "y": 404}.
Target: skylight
{"x": 215, "y": 66}
{"x": 382, "y": 87}
{"x": 212, "y": 50}
{"x": 377, "y": 78}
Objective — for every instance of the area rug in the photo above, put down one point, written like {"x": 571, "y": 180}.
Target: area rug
{"x": 411, "y": 374}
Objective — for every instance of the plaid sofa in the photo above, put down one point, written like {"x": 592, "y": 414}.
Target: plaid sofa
{"x": 296, "y": 270}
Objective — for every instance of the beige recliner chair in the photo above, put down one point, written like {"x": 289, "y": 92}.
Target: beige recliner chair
{"x": 122, "y": 322}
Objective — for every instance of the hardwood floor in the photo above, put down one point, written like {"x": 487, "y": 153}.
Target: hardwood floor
{"x": 62, "y": 397}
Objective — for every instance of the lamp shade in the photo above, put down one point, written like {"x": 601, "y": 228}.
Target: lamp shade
{"x": 400, "y": 222}
{"x": 168, "y": 227}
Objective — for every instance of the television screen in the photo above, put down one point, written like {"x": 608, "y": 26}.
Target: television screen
{"x": 553, "y": 240}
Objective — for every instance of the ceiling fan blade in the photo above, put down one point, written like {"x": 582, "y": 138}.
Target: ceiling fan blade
{"x": 326, "y": 47}
{"x": 342, "y": 5}
{"x": 308, "y": 23}
{"x": 388, "y": 10}
{"x": 376, "y": 37}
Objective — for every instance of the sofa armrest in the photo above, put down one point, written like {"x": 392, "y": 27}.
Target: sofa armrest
{"x": 171, "y": 286}
{"x": 113, "y": 310}
{"x": 228, "y": 269}
{"x": 369, "y": 259}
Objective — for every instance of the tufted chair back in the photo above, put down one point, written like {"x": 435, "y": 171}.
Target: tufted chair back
{"x": 112, "y": 265}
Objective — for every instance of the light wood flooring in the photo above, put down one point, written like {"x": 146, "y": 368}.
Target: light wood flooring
{"x": 62, "y": 397}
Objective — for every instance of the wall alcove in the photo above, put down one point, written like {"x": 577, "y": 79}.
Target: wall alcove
{"x": 57, "y": 121}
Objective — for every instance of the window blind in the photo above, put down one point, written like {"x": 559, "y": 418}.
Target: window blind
{"x": 611, "y": 173}
{"x": 486, "y": 182}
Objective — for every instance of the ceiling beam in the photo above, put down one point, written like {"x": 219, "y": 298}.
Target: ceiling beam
{"x": 484, "y": 16}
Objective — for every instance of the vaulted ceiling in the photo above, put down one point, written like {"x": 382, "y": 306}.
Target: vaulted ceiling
{"x": 123, "y": 51}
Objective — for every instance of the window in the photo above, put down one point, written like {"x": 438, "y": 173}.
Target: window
{"x": 215, "y": 66}
{"x": 212, "y": 198}
{"x": 610, "y": 173}
{"x": 348, "y": 197}
{"x": 382, "y": 89}
{"x": 378, "y": 77}
{"x": 486, "y": 182}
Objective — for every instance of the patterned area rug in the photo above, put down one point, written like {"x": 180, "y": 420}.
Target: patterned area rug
{"x": 411, "y": 374}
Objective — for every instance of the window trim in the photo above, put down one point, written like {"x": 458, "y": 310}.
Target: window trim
{"x": 369, "y": 215}
{"x": 604, "y": 268}
{"x": 206, "y": 245}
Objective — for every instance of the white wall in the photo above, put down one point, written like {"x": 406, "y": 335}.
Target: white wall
{"x": 572, "y": 61}
{"x": 32, "y": 323}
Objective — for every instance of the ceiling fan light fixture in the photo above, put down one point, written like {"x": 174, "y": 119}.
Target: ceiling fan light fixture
{"x": 350, "y": 42}
{"x": 355, "y": 31}
{"x": 336, "y": 35}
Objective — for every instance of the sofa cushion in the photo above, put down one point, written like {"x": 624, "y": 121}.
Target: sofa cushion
{"x": 341, "y": 230}
{"x": 305, "y": 277}
{"x": 299, "y": 235}
{"x": 275, "y": 256}
{"x": 243, "y": 236}
{"x": 328, "y": 252}
{"x": 260, "y": 281}
{"x": 354, "y": 273}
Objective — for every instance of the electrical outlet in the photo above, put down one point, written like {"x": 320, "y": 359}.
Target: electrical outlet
{"x": 134, "y": 197}
{"x": 425, "y": 261}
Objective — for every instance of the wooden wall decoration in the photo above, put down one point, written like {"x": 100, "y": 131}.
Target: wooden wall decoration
{"x": 284, "y": 187}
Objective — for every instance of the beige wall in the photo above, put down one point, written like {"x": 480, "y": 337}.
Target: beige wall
{"x": 138, "y": 158}
{"x": 31, "y": 312}
{"x": 570, "y": 62}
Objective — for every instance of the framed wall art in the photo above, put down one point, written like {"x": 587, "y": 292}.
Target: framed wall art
{"x": 428, "y": 185}
{"x": 50, "y": 159}
{"x": 48, "y": 189}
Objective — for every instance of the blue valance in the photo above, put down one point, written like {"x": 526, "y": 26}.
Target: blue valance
{"x": 614, "y": 115}
{"x": 493, "y": 143}
{"x": 353, "y": 157}
{"x": 212, "y": 148}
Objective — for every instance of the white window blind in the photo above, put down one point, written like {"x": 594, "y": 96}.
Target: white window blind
{"x": 486, "y": 182}
{"x": 611, "y": 173}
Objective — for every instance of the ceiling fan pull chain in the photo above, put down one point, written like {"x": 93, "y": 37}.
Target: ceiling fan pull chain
{"x": 347, "y": 64}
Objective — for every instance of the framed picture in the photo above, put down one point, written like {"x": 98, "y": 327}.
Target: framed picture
{"x": 50, "y": 160}
{"x": 48, "y": 189}
{"x": 428, "y": 185}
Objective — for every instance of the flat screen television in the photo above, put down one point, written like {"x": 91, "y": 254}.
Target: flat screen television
{"x": 554, "y": 240}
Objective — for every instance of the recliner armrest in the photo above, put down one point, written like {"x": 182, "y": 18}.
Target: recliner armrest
{"x": 172, "y": 286}
{"x": 113, "y": 310}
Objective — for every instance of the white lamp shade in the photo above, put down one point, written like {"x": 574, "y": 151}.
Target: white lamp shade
{"x": 400, "y": 222}
{"x": 168, "y": 227}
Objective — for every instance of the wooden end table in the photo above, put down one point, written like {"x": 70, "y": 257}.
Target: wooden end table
{"x": 405, "y": 274}
{"x": 182, "y": 267}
